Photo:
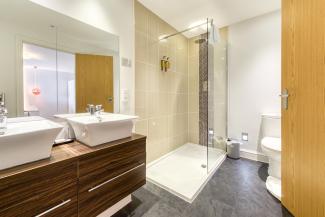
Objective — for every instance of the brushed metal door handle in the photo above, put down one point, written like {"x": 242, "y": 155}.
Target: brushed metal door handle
{"x": 284, "y": 95}
{"x": 285, "y": 98}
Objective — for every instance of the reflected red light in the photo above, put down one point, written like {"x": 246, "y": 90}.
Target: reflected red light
{"x": 36, "y": 91}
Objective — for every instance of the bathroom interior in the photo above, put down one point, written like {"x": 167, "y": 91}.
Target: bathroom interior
{"x": 140, "y": 108}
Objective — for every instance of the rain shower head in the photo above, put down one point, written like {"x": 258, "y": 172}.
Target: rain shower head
{"x": 200, "y": 41}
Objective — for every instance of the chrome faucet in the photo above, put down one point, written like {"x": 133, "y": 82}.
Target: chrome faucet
{"x": 98, "y": 109}
{"x": 94, "y": 110}
{"x": 3, "y": 114}
{"x": 91, "y": 109}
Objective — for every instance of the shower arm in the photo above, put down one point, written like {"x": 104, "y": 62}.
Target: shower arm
{"x": 185, "y": 30}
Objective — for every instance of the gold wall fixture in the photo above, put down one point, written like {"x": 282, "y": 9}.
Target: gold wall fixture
{"x": 164, "y": 64}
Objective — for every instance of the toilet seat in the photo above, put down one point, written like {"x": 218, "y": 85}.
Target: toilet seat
{"x": 272, "y": 143}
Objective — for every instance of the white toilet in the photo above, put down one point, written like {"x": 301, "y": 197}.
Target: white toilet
{"x": 271, "y": 146}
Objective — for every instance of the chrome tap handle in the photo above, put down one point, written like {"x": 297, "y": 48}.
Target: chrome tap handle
{"x": 2, "y": 99}
{"x": 91, "y": 109}
{"x": 99, "y": 108}
{"x": 88, "y": 107}
{"x": 3, "y": 111}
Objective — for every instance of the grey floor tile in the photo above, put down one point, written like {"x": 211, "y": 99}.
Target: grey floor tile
{"x": 237, "y": 189}
{"x": 162, "y": 209}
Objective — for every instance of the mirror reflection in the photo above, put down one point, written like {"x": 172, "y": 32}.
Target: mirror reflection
{"x": 55, "y": 65}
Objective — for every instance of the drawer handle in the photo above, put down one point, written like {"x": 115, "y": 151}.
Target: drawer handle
{"x": 104, "y": 183}
{"x": 53, "y": 208}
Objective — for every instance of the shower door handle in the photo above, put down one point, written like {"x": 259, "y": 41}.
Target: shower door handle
{"x": 285, "y": 97}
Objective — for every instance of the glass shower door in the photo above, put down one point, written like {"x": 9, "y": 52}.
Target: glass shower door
{"x": 217, "y": 81}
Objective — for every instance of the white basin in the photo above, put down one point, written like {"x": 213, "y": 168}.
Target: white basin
{"x": 93, "y": 131}
{"x": 27, "y": 139}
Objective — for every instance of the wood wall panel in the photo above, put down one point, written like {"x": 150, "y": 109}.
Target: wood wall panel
{"x": 303, "y": 124}
{"x": 94, "y": 81}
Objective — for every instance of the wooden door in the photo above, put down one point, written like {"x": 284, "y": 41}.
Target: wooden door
{"x": 303, "y": 123}
{"x": 94, "y": 81}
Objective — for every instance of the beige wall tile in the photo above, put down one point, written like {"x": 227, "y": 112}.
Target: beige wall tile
{"x": 157, "y": 149}
{"x": 153, "y": 78}
{"x": 161, "y": 97}
{"x": 141, "y": 127}
{"x": 141, "y": 76}
{"x": 141, "y": 108}
{"x": 193, "y": 47}
{"x": 193, "y": 137}
{"x": 177, "y": 124}
{"x": 153, "y": 55}
{"x": 164, "y": 28}
{"x": 153, "y": 24}
{"x": 164, "y": 81}
{"x": 176, "y": 142}
{"x": 157, "y": 129}
{"x": 193, "y": 122}
{"x": 182, "y": 103}
{"x": 141, "y": 18}
{"x": 183, "y": 83}
{"x": 193, "y": 133}
{"x": 163, "y": 103}
{"x": 153, "y": 104}
{"x": 141, "y": 46}
{"x": 181, "y": 61}
{"x": 193, "y": 84}
{"x": 193, "y": 66}
{"x": 193, "y": 102}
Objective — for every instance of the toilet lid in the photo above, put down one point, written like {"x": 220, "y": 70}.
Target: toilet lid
{"x": 272, "y": 143}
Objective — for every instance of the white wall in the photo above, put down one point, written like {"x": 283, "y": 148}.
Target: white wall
{"x": 254, "y": 75}
{"x": 116, "y": 17}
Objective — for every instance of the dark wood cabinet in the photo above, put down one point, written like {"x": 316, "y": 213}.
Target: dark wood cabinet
{"x": 97, "y": 199}
{"x": 76, "y": 181}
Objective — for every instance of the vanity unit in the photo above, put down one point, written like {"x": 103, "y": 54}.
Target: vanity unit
{"x": 77, "y": 180}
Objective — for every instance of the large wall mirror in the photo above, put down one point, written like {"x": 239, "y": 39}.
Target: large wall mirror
{"x": 53, "y": 64}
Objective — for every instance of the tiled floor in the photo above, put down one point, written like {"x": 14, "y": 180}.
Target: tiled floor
{"x": 237, "y": 189}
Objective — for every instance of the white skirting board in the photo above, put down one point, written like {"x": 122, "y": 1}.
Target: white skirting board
{"x": 253, "y": 155}
{"x": 116, "y": 207}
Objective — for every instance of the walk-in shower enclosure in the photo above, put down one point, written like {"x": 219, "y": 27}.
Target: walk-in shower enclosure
{"x": 181, "y": 101}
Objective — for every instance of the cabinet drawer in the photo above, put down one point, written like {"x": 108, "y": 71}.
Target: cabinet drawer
{"x": 112, "y": 170}
{"x": 112, "y": 157}
{"x": 61, "y": 203}
{"x": 99, "y": 198}
{"x": 32, "y": 187}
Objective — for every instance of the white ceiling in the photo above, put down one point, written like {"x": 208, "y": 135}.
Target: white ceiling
{"x": 182, "y": 13}
{"x": 34, "y": 19}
